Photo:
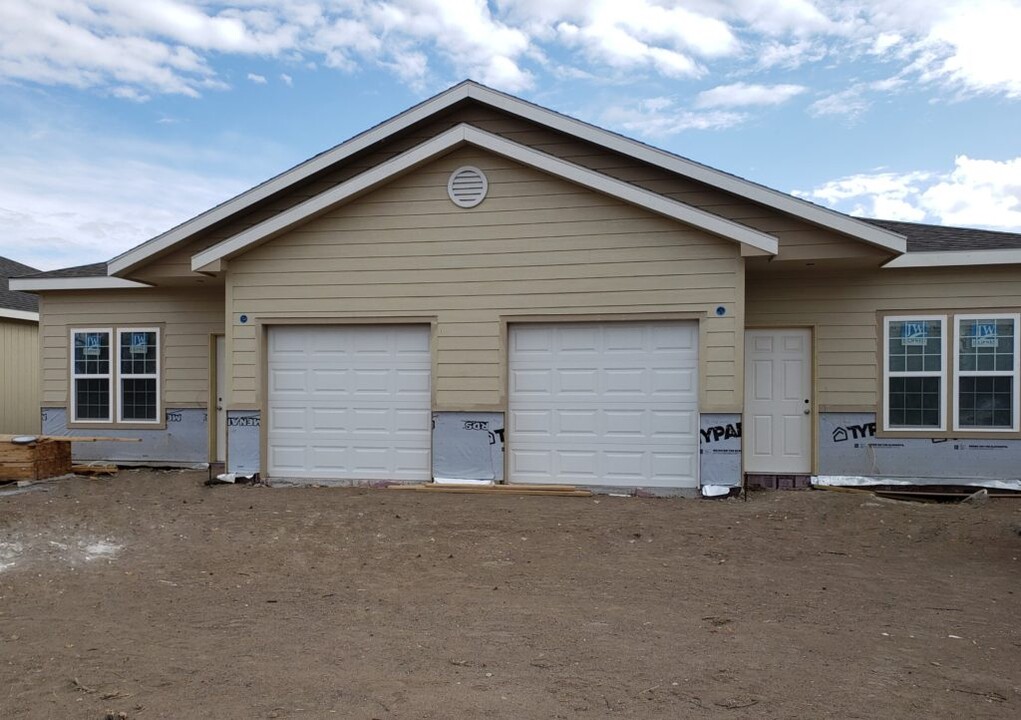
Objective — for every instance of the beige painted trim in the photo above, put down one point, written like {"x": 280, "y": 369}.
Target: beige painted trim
{"x": 823, "y": 217}
{"x": 847, "y": 409}
{"x": 949, "y": 392}
{"x": 84, "y": 283}
{"x": 211, "y": 401}
{"x": 264, "y": 324}
{"x": 814, "y": 380}
{"x": 955, "y": 259}
{"x": 464, "y": 134}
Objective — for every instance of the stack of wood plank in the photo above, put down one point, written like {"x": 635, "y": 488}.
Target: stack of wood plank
{"x": 37, "y": 460}
{"x": 37, "y": 457}
{"x": 549, "y": 490}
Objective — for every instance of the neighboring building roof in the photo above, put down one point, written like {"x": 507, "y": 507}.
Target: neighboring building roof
{"x": 16, "y": 303}
{"x": 469, "y": 90}
{"x": 941, "y": 238}
{"x": 78, "y": 271}
{"x": 80, "y": 277}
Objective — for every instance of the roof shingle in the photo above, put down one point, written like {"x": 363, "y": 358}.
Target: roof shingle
{"x": 12, "y": 299}
{"x": 940, "y": 238}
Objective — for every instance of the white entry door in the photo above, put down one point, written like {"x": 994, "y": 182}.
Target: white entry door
{"x": 612, "y": 403}
{"x": 349, "y": 402}
{"x": 778, "y": 401}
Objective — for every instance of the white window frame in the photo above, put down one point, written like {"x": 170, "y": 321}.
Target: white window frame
{"x": 138, "y": 376}
{"x": 75, "y": 376}
{"x": 941, "y": 373}
{"x": 1015, "y": 372}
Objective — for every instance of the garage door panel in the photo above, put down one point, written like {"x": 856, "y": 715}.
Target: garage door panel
{"x": 538, "y": 383}
{"x": 329, "y": 419}
{"x": 285, "y": 418}
{"x": 625, "y": 383}
{"x": 577, "y": 381}
{"x": 537, "y": 423}
{"x": 349, "y": 402}
{"x": 672, "y": 384}
{"x": 604, "y": 403}
{"x": 620, "y": 424}
{"x": 671, "y": 425}
{"x": 578, "y": 423}
{"x": 284, "y": 381}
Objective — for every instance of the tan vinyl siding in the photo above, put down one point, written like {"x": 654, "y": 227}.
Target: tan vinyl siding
{"x": 19, "y": 377}
{"x": 536, "y": 246}
{"x": 843, "y": 307}
{"x": 187, "y": 315}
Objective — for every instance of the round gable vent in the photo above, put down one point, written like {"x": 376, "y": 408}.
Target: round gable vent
{"x": 467, "y": 186}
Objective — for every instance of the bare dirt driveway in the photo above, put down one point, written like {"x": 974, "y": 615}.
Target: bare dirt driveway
{"x": 153, "y": 596}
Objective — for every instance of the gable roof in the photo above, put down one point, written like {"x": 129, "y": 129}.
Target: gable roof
{"x": 469, "y": 90}
{"x": 465, "y": 134}
{"x": 14, "y": 304}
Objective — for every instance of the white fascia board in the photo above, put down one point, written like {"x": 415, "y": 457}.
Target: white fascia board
{"x": 131, "y": 259}
{"x": 724, "y": 181}
{"x": 467, "y": 134}
{"x": 74, "y": 283}
{"x": 19, "y": 314}
{"x": 956, "y": 258}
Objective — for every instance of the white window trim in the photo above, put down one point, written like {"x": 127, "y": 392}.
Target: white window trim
{"x": 941, "y": 373}
{"x": 137, "y": 376}
{"x": 76, "y": 376}
{"x": 1014, "y": 373}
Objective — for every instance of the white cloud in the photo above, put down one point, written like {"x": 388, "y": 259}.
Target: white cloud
{"x": 89, "y": 211}
{"x": 849, "y": 103}
{"x": 977, "y": 193}
{"x": 257, "y": 79}
{"x": 287, "y": 79}
{"x": 660, "y": 117}
{"x": 742, "y": 95}
{"x": 139, "y": 49}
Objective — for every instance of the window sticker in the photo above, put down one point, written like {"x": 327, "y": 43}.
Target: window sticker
{"x": 139, "y": 343}
{"x": 93, "y": 343}
{"x": 985, "y": 334}
{"x": 914, "y": 332}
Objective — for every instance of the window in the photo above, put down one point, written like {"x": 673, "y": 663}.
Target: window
{"x": 90, "y": 376}
{"x": 986, "y": 372}
{"x": 122, "y": 374}
{"x": 138, "y": 362}
{"x": 915, "y": 375}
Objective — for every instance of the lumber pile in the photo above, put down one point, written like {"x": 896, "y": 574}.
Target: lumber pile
{"x": 34, "y": 461}
{"x": 37, "y": 457}
{"x": 548, "y": 490}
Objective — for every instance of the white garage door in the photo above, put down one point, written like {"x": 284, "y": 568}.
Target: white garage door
{"x": 349, "y": 402}
{"x": 604, "y": 404}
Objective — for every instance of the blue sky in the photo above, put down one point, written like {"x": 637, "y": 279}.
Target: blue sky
{"x": 120, "y": 118}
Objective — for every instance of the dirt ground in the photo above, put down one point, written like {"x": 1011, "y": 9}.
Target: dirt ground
{"x": 153, "y": 596}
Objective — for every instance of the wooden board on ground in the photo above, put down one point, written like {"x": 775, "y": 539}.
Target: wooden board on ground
{"x": 66, "y": 438}
{"x": 94, "y": 469}
{"x": 550, "y": 490}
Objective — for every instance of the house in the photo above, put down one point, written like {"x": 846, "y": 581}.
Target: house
{"x": 19, "y": 354}
{"x": 481, "y": 287}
